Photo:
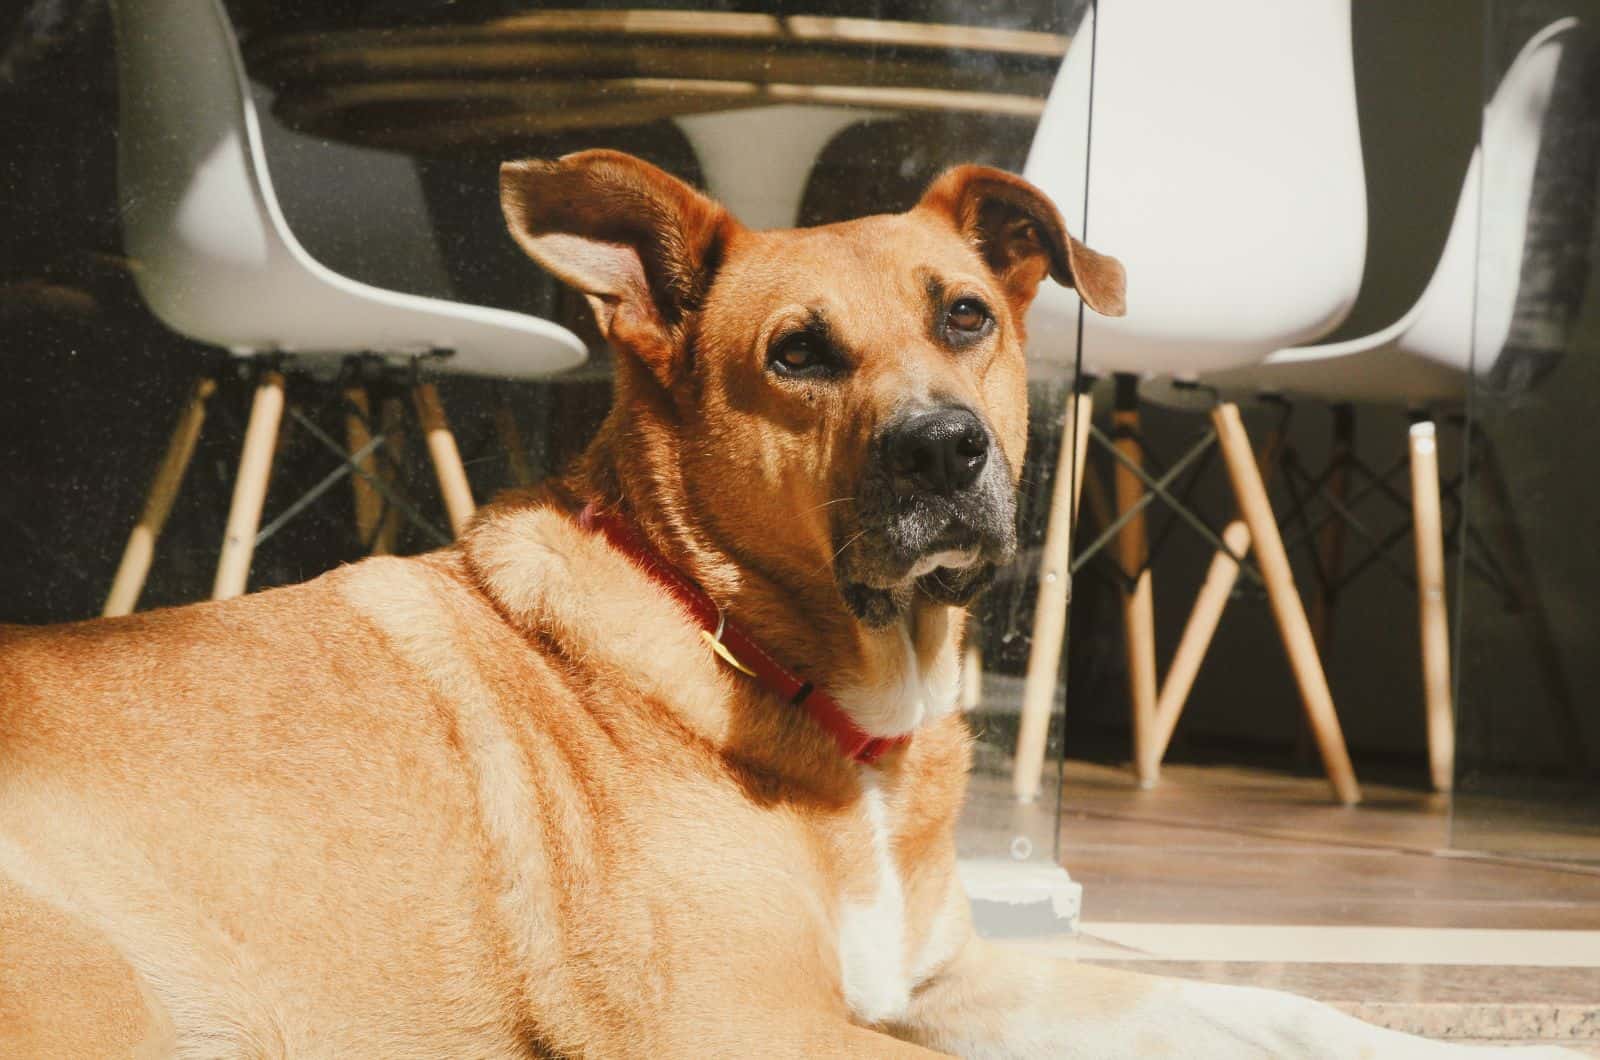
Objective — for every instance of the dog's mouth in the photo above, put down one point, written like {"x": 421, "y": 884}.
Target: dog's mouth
{"x": 944, "y": 549}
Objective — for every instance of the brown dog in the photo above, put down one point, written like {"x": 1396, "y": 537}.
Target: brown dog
{"x": 507, "y": 800}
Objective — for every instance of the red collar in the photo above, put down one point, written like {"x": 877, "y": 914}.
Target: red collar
{"x": 736, "y": 647}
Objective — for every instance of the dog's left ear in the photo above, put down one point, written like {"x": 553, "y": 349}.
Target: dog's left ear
{"x": 1022, "y": 237}
{"x": 640, "y": 244}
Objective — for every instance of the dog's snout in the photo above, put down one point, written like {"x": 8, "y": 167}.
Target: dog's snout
{"x": 942, "y": 451}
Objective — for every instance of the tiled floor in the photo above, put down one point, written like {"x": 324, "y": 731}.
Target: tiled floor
{"x": 1256, "y": 877}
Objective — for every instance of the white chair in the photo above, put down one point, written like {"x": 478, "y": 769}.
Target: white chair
{"x": 1460, "y": 325}
{"x": 1459, "y": 329}
{"x": 214, "y": 259}
{"x": 1224, "y": 169}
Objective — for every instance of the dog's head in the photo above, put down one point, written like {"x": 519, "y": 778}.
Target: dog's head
{"x": 849, "y": 397}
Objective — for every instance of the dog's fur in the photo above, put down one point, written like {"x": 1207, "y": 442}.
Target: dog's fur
{"x": 500, "y": 800}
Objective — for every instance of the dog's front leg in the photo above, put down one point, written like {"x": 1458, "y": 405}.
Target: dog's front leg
{"x": 994, "y": 1001}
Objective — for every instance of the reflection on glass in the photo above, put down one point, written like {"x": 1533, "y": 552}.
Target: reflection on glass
{"x": 359, "y": 161}
{"x": 382, "y": 126}
{"x": 1529, "y": 729}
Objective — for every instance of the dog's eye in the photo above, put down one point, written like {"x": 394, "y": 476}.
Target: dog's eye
{"x": 967, "y": 316}
{"x": 802, "y": 354}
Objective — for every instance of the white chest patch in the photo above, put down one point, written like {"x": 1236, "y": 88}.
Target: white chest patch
{"x": 909, "y": 694}
{"x": 872, "y": 933}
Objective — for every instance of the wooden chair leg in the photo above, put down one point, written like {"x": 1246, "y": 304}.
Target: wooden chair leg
{"x": 358, "y": 434}
{"x": 1096, "y": 498}
{"x": 1050, "y": 610}
{"x": 1251, "y": 494}
{"x": 1138, "y": 604}
{"x": 1428, "y": 527}
{"x": 1209, "y": 603}
{"x": 1197, "y": 635}
{"x": 392, "y": 424}
{"x": 446, "y": 457}
{"x": 141, "y": 547}
{"x": 250, "y": 487}
{"x": 505, "y": 425}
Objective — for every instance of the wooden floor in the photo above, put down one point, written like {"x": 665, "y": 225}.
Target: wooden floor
{"x": 1254, "y": 876}
{"x": 1228, "y": 845}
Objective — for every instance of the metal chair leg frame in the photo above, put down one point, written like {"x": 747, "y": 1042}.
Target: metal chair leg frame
{"x": 1330, "y": 543}
{"x": 328, "y": 481}
{"x": 386, "y": 490}
{"x": 1159, "y": 487}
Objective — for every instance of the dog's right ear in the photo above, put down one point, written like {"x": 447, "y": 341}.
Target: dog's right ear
{"x": 640, "y": 244}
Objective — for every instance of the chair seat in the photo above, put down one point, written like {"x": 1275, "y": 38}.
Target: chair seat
{"x": 334, "y": 315}
{"x": 1230, "y": 186}
{"x": 1368, "y": 373}
{"x": 1465, "y": 323}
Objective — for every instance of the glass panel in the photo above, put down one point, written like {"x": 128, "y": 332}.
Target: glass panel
{"x": 1013, "y": 803}
{"x": 1529, "y": 725}
{"x": 382, "y": 128}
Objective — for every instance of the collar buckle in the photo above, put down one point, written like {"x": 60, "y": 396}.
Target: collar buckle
{"x": 719, "y": 649}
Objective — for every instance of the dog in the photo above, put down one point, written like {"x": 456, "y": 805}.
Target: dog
{"x": 660, "y": 760}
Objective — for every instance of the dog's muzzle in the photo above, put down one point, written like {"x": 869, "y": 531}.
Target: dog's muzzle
{"x": 936, "y": 513}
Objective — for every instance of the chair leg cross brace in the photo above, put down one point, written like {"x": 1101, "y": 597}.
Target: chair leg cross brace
{"x": 377, "y": 523}
{"x": 1159, "y": 488}
{"x": 385, "y": 489}
{"x": 1293, "y": 627}
{"x": 1257, "y": 526}
{"x": 347, "y": 465}
{"x": 1342, "y": 512}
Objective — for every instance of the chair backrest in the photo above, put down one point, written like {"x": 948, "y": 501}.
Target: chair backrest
{"x": 213, "y": 255}
{"x": 1224, "y": 170}
{"x": 199, "y": 216}
{"x": 1465, "y": 315}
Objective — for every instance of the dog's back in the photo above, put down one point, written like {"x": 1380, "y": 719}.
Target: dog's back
{"x": 185, "y": 794}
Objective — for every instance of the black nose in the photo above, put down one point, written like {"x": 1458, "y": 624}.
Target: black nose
{"x": 938, "y": 452}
